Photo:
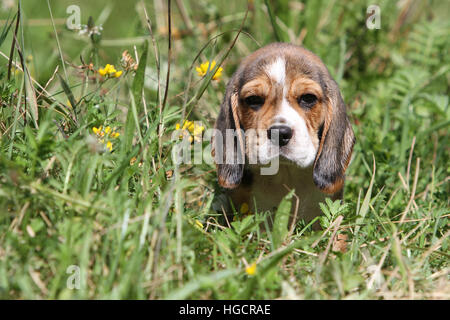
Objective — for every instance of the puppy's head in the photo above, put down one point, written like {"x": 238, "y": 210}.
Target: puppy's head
{"x": 283, "y": 95}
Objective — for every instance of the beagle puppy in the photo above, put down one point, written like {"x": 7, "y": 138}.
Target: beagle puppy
{"x": 282, "y": 96}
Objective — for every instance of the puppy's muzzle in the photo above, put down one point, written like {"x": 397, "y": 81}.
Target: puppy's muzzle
{"x": 284, "y": 134}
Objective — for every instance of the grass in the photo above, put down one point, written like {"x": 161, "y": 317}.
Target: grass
{"x": 137, "y": 226}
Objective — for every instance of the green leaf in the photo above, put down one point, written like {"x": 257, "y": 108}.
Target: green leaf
{"x": 280, "y": 224}
{"x": 242, "y": 227}
{"x": 365, "y": 205}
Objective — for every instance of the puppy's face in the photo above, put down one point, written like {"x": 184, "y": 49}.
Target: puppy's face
{"x": 281, "y": 94}
{"x": 288, "y": 105}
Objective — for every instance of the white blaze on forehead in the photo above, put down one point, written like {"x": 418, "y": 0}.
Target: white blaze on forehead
{"x": 277, "y": 70}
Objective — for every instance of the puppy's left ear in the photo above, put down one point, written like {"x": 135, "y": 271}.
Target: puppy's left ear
{"x": 228, "y": 143}
{"x": 336, "y": 145}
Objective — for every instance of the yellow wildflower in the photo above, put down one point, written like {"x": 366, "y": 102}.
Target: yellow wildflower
{"x": 251, "y": 269}
{"x": 109, "y": 70}
{"x": 198, "y": 224}
{"x": 103, "y": 72}
{"x": 194, "y": 131}
{"x": 244, "y": 208}
{"x": 198, "y": 130}
{"x": 244, "y": 211}
{"x": 205, "y": 68}
{"x": 218, "y": 74}
{"x": 104, "y": 136}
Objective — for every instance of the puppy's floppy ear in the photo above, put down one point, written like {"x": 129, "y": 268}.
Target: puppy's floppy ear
{"x": 227, "y": 144}
{"x": 336, "y": 145}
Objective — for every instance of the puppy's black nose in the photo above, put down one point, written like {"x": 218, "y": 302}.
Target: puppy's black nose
{"x": 284, "y": 134}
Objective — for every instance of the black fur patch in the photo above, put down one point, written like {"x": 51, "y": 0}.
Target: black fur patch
{"x": 324, "y": 179}
{"x": 320, "y": 132}
{"x": 247, "y": 178}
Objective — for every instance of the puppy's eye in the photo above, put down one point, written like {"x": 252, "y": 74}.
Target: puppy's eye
{"x": 307, "y": 100}
{"x": 254, "y": 102}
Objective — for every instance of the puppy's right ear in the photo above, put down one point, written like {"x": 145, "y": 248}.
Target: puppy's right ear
{"x": 227, "y": 142}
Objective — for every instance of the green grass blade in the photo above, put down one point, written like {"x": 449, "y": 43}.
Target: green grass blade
{"x": 202, "y": 282}
{"x": 69, "y": 95}
{"x": 6, "y": 29}
{"x": 136, "y": 90}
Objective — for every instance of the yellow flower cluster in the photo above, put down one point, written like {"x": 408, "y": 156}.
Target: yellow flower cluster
{"x": 106, "y": 133}
{"x": 204, "y": 68}
{"x": 189, "y": 128}
{"x": 251, "y": 269}
{"x": 109, "y": 71}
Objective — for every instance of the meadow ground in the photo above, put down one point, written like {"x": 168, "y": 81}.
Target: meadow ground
{"x": 93, "y": 207}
